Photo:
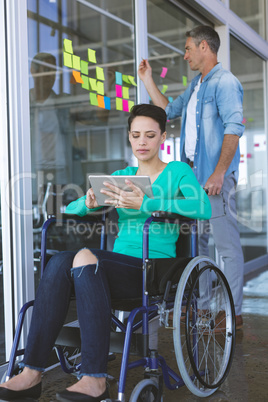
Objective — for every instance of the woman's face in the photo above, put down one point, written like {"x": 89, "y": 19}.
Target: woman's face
{"x": 145, "y": 138}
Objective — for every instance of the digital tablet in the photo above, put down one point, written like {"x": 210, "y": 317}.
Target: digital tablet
{"x": 96, "y": 182}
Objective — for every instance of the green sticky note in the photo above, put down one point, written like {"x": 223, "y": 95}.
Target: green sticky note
{"x": 125, "y": 93}
{"x": 68, "y": 46}
{"x": 164, "y": 89}
{"x": 85, "y": 85}
{"x": 126, "y": 79}
{"x": 67, "y": 60}
{"x": 92, "y": 84}
{"x": 100, "y": 88}
{"x": 132, "y": 80}
{"x": 130, "y": 105}
{"x": 100, "y": 73}
{"x": 119, "y": 103}
{"x": 93, "y": 99}
{"x": 184, "y": 81}
{"x": 76, "y": 62}
{"x": 84, "y": 67}
{"x": 91, "y": 55}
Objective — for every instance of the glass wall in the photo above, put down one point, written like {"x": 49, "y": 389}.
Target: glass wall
{"x": 252, "y": 189}
{"x": 252, "y": 12}
{"x": 82, "y": 84}
{"x": 2, "y": 324}
{"x": 170, "y": 72}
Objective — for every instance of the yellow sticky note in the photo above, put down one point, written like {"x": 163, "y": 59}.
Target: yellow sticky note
{"x": 76, "y": 62}
{"x": 67, "y": 60}
{"x": 68, "y": 46}
{"x": 100, "y": 73}
{"x": 130, "y": 105}
{"x": 118, "y": 103}
{"x": 100, "y": 87}
{"x": 164, "y": 89}
{"x": 91, "y": 55}
{"x": 184, "y": 81}
{"x": 132, "y": 80}
{"x": 125, "y": 93}
{"x": 92, "y": 84}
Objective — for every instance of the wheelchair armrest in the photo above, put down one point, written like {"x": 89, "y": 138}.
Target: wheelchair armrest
{"x": 171, "y": 216}
{"x": 87, "y": 218}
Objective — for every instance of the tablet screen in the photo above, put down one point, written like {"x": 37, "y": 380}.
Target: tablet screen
{"x": 96, "y": 182}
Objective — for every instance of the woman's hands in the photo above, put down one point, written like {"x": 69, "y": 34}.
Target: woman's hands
{"x": 91, "y": 200}
{"x": 124, "y": 199}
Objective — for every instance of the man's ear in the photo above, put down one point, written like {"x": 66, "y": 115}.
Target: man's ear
{"x": 204, "y": 45}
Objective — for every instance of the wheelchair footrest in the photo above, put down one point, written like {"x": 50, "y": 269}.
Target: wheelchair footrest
{"x": 69, "y": 336}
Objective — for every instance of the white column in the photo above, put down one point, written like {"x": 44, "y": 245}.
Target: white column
{"x": 141, "y": 45}
{"x": 224, "y": 50}
{"x": 16, "y": 186}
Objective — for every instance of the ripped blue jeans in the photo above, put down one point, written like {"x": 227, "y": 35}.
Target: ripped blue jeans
{"x": 116, "y": 276}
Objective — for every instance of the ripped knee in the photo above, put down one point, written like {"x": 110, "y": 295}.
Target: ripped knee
{"x": 84, "y": 257}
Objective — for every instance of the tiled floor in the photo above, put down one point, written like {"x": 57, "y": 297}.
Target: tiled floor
{"x": 248, "y": 377}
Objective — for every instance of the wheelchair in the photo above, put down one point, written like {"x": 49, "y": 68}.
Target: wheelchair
{"x": 191, "y": 288}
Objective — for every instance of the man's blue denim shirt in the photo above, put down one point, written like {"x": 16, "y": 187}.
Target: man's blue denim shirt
{"x": 219, "y": 111}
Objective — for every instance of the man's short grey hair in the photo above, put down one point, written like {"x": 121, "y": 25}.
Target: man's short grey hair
{"x": 204, "y": 32}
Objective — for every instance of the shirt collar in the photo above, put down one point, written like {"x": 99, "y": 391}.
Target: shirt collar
{"x": 216, "y": 68}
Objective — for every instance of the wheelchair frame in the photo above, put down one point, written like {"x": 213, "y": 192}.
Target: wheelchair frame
{"x": 195, "y": 377}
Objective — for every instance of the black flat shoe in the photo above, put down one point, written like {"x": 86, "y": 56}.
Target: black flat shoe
{"x": 29, "y": 394}
{"x": 66, "y": 396}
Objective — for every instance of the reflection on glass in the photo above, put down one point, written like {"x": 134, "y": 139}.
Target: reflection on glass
{"x": 2, "y": 323}
{"x": 170, "y": 72}
{"x": 252, "y": 12}
{"x": 72, "y": 134}
{"x": 251, "y": 191}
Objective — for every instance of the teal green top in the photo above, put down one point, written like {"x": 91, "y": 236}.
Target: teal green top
{"x": 175, "y": 190}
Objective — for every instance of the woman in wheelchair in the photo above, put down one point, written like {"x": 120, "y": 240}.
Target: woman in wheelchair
{"x": 97, "y": 276}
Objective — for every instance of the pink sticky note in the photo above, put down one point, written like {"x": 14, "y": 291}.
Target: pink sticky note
{"x": 125, "y": 105}
{"x": 244, "y": 120}
{"x": 162, "y": 147}
{"x": 164, "y": 71}
{"x": 118, "y": 90}
{"x": 168, "y": 149}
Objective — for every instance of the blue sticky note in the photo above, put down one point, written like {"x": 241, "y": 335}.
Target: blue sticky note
{"x": 107, "y": 103}
{"x": 118, "y": 78}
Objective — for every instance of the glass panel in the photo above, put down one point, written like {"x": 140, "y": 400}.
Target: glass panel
{"x": 252, "y": 12}
{"x": 122, "y": 9}
{"x": 251, "y": 191}
{"x": 78, "y": 105}
{"x": 170, "y": 72}
{"x": 2, "y": 323}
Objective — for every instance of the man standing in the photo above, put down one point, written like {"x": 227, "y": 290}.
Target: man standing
{"x": 212, "y": 113}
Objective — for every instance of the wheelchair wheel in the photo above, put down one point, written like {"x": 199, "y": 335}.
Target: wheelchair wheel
{"x": 204, "y": 322}
{"x": 145, "y": 391}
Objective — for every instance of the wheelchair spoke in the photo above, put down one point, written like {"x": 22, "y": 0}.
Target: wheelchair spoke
{"x": 204, "y": 333}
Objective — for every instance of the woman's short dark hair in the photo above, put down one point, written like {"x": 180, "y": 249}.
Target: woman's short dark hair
{"x": 154, "y": 112}
{"x": 205, "y": 32}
